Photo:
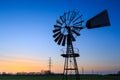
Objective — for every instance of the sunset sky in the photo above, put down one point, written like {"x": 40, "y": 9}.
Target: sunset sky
{"x": 26, "y": 41}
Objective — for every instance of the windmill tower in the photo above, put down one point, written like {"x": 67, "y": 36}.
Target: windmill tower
{"x": 67, "y": 28}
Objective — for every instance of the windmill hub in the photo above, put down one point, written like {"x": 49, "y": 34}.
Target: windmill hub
{"x": 68, "y": 29}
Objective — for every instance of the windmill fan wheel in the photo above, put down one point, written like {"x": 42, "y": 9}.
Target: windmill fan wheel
{"x": 67, "y": 26}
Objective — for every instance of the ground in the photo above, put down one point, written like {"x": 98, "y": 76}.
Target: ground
{"x": 58, "y": 77}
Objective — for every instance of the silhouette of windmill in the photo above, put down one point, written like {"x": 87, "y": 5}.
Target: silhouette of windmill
{"x": 67, "y": 28}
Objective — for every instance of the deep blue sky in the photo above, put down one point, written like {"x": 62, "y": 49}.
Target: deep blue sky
{"x": 26, "y": 32}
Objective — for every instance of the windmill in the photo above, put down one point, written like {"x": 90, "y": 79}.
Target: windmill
{"x": 66, "y": 29}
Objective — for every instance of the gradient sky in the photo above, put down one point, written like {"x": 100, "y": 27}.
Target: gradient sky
{"x": 26, "y": 41}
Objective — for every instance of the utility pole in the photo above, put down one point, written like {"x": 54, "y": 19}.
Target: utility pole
{"x": 50, "y": 65}
{"x": 82, "y": 70}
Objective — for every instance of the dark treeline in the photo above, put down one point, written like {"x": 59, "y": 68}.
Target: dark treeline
{"x": 51, "y": 73}
{"x": 41, "y": 74}
{"x": 28, "y": 73}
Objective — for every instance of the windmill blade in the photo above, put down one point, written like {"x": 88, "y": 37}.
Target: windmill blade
{"x": 77, "y": 18}
{"x": 68, "y": 15}
{"x": 99, "y": 20}
{"x": 64, "y": 40}
{"x": 59, "y": 22}
{"x": 56, "y": 34}
{"x": 78, "y": 28}
{"x": 62, "y": 19}
{"x": 78, "y": 22}
{"x": 60, "y": 39}
{"x": 56, "y": 30}
{"x": 73, "y": 38}
{"x": 56, "y": 26}
{"x": 73, "y": 15}
{"x": 78, "y": 34}
{"x": 78, "y": 25}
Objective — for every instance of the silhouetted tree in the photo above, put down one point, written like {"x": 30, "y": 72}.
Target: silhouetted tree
{"x": 118, "y": 72}
{"x": 4, "y": 73}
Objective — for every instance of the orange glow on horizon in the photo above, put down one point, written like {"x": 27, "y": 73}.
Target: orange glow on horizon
{"x": 23, "y": 65}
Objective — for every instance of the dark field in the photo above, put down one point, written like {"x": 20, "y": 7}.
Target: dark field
{"x": 58, "y": 77}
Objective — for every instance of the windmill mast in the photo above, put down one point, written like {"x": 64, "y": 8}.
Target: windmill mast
{"x": 70, "y": 65}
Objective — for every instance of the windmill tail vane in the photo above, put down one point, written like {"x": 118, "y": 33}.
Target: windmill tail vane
{"x": 100, "y": 20}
